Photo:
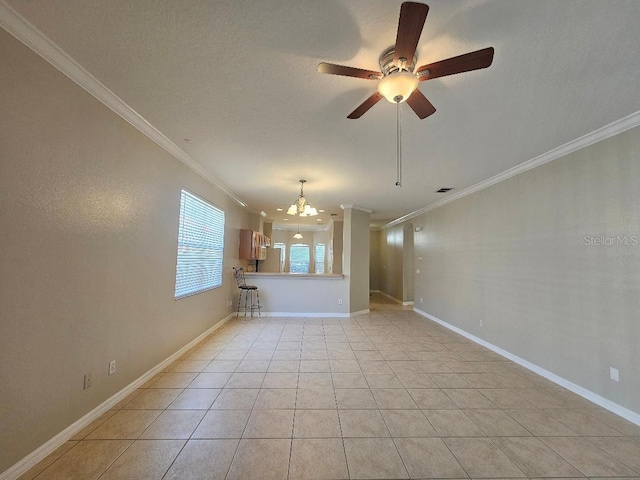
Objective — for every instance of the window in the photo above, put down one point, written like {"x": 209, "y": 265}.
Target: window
{"x": 282, "y": 247}
{"x": 200, "y": 246}
{"x": 318, "y": 258}
{"x": 299, "y": 258}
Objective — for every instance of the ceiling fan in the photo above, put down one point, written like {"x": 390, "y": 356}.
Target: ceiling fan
{"x": 398, "y": 78}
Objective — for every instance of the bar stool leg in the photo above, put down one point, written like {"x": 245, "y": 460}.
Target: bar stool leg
{"x": 239, "y": 300}
{"x": 259, "y": 306}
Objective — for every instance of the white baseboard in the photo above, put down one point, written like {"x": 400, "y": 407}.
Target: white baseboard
{"x": 406, "y": 304}
{"x": 47, "y": 448}
{"x": 389, "y": 296}
{"x": 563, "y": 382}
{"x": 374, "y": 291}
{"x": 297, "y": 314}
{"x": 307, "y": 315}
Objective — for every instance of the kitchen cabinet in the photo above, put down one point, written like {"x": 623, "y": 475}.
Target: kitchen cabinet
{"x": 253, "y": 245}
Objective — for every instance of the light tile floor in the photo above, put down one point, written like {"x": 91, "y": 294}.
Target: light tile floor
{"x": 380, "y": 396}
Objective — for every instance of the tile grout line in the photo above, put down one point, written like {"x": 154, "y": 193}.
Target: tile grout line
{"x": 376, "y": 328}
{"x": 235, "y": 453}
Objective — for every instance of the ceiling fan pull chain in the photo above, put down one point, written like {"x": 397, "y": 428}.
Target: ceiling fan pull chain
{"x": 399, "y": 146}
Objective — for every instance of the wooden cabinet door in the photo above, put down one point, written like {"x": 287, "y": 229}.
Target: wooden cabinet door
{"x": 253, "y": 245}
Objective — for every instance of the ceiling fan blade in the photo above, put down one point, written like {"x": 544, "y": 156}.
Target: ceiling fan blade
{"x": 419, "y": 104}
{"x": 412, "y": 18}
{"x": 333, "y": 69}
{"x": 462, "y": 63}
{"x": 365, "y": 106}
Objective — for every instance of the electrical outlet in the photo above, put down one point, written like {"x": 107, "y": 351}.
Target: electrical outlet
{"x": 88, "y": 378}
{"x": 481, "y": 323}
{"x": 112, "y": 367}
{"x": 614, "y": 374}
{"x": 420, "y": 299}
{"x": 417, "y": 271}
{"x": 229, "y": 303}
{"x": 339, "y": 301}
{"x": 419, "y": 259}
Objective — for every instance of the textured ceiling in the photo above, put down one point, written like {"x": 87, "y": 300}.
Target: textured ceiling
{"x": 238, "y": 79}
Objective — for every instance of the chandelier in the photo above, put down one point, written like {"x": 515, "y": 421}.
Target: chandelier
{"x": 301, "y": 207}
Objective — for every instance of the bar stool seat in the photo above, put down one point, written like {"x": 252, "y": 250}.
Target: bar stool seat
{"x": 250, "y": 303}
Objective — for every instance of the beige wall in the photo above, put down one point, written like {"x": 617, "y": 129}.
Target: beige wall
{"x": 89, "y": 222}
{"x": 338, "y": 245}
{"x": 375, "y": 237}
{"x": 356, "y": 257}
{"x": 292, "y": 295}
{"x": 514, "y": 256}
{"x": 391, "y": 261}
{"x": 408, "y": 269}
{"x": 267, "y": 228}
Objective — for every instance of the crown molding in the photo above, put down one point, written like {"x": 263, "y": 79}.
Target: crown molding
{"x": 610, "y": 130}
{"x": 29, "y": 35}
{"x": 355, "y": 207}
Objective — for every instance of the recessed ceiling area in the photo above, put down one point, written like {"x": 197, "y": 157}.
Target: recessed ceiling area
{"x": 234, "y": 85}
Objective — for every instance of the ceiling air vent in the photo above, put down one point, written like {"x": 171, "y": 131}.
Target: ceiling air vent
{"x": 444, "y": 190}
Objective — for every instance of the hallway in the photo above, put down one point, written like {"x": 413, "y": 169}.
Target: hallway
{"x": 384, "y": 395}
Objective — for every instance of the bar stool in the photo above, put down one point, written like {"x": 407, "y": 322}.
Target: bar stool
{"x": 249, "y": 305}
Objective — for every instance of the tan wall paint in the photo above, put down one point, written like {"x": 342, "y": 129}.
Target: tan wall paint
{"x": 356, "y": 258}
{"x": 338, "y": 246}
{"x": 514, "y": 255}
{"x": 408, "y": 269}
{"x": 302, "y": 295}
{"x": 374, "y": 259}
{"x": 267, "y": 228}
{"x": 89, "y": 221}
{"x": 392, "y": 258}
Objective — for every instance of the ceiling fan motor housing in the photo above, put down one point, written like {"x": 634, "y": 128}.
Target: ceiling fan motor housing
{"x": 387, "y": 66}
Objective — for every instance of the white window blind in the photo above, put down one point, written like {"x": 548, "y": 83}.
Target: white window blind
{"x": 318, "y": 258}
{"x": 200, "y": 246}
{"x": 299, "y": 258}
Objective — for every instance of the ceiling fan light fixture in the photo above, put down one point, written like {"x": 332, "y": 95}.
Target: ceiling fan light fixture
{"x": 398, "y": 86}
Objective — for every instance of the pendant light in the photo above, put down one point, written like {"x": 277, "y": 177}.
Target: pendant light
{"x": 301, "y": 207}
